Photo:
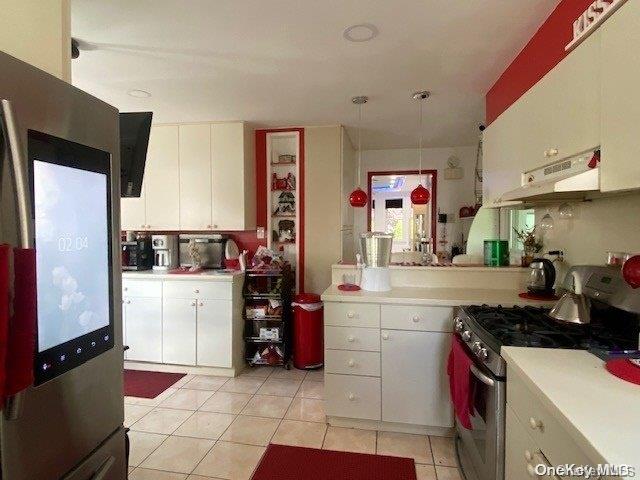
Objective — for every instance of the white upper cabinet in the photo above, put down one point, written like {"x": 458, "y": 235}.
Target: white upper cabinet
{"x": 620, "y": 167}
{"x": 561, "y": 114}
{"x": 501, "y": 165}
{"x": 133, "y": 212}
{"x": 558, "y": 117}
{"x": 233, "y": 177}
{"x": 195, "y": 177}
{"x": 161, "y": 179}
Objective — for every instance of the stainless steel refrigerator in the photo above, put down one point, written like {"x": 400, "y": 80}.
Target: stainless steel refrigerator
{"x": 59, "y": 208}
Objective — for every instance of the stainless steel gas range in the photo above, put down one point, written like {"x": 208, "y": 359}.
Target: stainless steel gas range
{"x": 485, "y": 329}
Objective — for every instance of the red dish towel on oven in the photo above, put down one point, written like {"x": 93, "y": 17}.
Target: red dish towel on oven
{"x": 458, "y": 368}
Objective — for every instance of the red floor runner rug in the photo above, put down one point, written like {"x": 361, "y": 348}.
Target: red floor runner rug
{"x": 139, "y": 383}
{"x": 281, "y": 462}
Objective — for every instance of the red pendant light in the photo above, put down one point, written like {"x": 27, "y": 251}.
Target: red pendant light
{"x": 420, "y": 195}
{"x": 358, "y": 197}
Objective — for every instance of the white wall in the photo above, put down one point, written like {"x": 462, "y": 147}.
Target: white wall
{"x": 38, "y": 32}
{"x": 322, "y": 207}
{"x": 452, "y": 194}
{"x": 596, "y": 227}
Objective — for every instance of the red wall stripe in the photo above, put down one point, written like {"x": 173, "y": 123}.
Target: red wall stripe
{"x": 543, "y": 52}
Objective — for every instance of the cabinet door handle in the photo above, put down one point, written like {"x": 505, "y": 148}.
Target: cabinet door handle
{"x": 201, "y": 304}
{"x": 196, "y": 291}
{"x": 535, "y": 424}
{"x": 416, "y": 319}
{"x": 351, "y": 339}
{"x": 128, "y": 302}
{"x": 126, "y": 288}
{"x": 385, "y": 336}
{"x": 350, "y": 314}
{"x": 351, "y": 362}
{"x": 351, "y": 397}
{"x": 193, "y": 304}
{"x": 215, "y": 226}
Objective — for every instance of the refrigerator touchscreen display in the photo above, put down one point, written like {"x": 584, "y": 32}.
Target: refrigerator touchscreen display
{"x": 72, "y": 252}
{"x": 71, "y": 198}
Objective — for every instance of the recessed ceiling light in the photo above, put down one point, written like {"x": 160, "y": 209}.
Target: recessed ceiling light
{"x": 363, "y": 32}
{"x": 139, "y": 93}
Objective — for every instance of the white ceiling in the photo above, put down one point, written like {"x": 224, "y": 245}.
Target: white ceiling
{"x": 285, "y": 62}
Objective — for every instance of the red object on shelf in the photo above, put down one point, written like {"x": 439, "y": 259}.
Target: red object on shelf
{"x": 308, "y": 331}
{"x": 358, "y": 198}
{"x": 631, "y": 271}
{"x": 623, "y": 368}
{"x": 348, "y": 287}
{"x": 595, "y": 159}
{"x": 420, "y": 195}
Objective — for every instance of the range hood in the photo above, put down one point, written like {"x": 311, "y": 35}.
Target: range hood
{"x": 572, "y": 178}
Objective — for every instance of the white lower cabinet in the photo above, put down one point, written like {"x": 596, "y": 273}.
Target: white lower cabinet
{"x": 414, "y": 380}
{"x": 142, "y": 320}
{"x": 396, "y": 375}
{"x": 183, "y": 322}
{"x": 179, "y": 331}
{"x": 214, "y": 336}
{"x": 352, "y": 396}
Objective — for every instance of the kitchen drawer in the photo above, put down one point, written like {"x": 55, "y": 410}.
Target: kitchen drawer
{"x": 141, "y": 288}
{"x": 352, "y": 314}
{"x": 554, "y": 441}
{"x": 352, "y": 363}
{"x": 351, "y": 338}
{"x": 352, "y": 397}
{"x": 191, "y": 289}
{"x": 426, "y": 319}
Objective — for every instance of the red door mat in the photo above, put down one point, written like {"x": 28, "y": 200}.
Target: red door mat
{"x": 282, "y": 462}
{"x": 139, "y": 383}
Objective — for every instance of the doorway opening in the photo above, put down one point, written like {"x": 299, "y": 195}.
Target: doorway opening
{"x": 391, "y": 211}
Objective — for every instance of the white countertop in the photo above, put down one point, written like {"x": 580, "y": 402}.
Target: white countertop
{"x": 443, "y": 267}
{"x": 600, "y": 411}
{"x": 208, "y": 275}
{"x": 432, "y": 296}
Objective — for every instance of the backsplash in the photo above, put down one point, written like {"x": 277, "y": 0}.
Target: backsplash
{"x": 598, "y": 226}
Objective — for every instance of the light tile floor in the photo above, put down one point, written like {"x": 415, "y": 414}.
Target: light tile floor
{"x": 206, "y": 428}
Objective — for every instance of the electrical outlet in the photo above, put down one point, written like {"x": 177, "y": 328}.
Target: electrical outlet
{"x": 260, "y": 232}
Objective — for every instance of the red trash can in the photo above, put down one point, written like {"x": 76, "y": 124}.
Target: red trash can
{"x": 308, "y": 331}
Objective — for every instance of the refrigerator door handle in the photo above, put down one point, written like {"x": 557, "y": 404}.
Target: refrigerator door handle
{"x": 103, "y": 470}
{"x": 14, "y": 148}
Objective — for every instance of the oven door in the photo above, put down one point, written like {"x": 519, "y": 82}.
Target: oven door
{"x": 482, "y": 448}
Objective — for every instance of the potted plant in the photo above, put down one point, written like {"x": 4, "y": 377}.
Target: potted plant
{"x": 530, "y": 244}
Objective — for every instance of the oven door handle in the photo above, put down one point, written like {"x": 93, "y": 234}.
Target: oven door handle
{"x": 481, "y": 376}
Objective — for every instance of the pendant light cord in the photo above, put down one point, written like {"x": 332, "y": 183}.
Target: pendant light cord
{"x": 420, "y": 143}
{"x": 359, "y": 144}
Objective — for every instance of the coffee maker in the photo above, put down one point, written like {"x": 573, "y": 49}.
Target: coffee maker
{"x": 137, "y": 254}
{"x": 165, "y": 252}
